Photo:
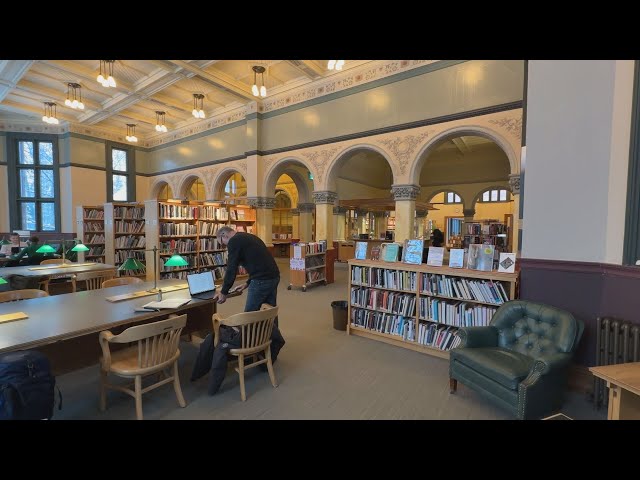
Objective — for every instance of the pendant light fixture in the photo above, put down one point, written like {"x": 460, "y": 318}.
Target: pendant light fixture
{"x": 74, "y": 96}
{"x": 198, "y": 100}
{"x": 131, "y": 133}
{"x": 160, "y": 126}
{"x": 50, "y": 113}
{"x": 262, "y": 91}
{"x": 109, "y": 81}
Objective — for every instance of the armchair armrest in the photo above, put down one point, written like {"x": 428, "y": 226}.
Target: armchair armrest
{"x": 475, "y": 337}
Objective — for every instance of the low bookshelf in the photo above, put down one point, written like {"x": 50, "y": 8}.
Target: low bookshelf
{"x": 421, "y": 307}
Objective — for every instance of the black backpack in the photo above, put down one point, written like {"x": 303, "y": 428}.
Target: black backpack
{"x": 26, "y": 386}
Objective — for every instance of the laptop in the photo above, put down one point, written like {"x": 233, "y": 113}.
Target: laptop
{"x": 201, "y": 285}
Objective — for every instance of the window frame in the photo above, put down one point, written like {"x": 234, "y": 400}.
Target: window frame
{"x": 15, "y": 218}
{"x": 130, "y": 172}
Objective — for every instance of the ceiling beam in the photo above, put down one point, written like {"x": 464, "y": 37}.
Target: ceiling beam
{"x": 10, "y": 74}
{"x": 218, "y": 80}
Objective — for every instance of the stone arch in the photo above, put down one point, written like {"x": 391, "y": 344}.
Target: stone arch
{"x": 221, "y": 180}
{"x": 158, "y": 185}
{"x": 281, "y": 167}
{"x": 467, "y": 130}
{"x": 334, "y": 165}
{"x": 186, "y": 183}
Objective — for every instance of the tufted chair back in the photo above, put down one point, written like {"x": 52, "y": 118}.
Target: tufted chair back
{"x": 520, "y": 360}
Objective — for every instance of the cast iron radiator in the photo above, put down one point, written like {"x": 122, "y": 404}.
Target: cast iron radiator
{"x": 617, "y": 341}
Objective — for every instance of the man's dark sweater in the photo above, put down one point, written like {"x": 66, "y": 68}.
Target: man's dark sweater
{"x": 249, "y": 251}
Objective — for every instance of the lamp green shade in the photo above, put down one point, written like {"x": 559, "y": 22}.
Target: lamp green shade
{"x": 2, "y": 281}
{"x": 131, "y": 264}
{"x": 4, "y": 241}
{"x": 46, "y": 249}
{"x": 176, "y": 261}
{"x": 80, "y": 247}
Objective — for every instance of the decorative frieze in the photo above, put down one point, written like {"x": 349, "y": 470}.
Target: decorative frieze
{"x": 306, "y": 207}
{"x": 325, "y": 196}
{"x": 261, "y": 202}
{"x": 405, "y": 192}
{"x": 403, "y": 148}
{"x": 514, "y": 183}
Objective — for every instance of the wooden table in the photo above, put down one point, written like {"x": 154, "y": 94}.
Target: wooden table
{"x": 66, "y": 327}
{"x": 623, "y": 381}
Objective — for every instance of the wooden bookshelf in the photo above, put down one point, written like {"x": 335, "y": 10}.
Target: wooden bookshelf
{"x": 420, "y": 307}
{"x": 313, "y": 258}
{"x": 90, "y": 221}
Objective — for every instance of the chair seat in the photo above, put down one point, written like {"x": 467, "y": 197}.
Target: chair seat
{"x": 125, "y": 362}
{"x": 506, "y": 367}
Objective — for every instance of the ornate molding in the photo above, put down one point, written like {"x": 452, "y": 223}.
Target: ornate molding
{"x": 306, "y": 207}
{"x": 403, "y": 148}
{"x": 319, "y": 159}
{"x": 325, "y": 196}
{"x": 514, "y": 183}
{"x": 340, "y": 210}
{"x": 261, "y": 202}
{"x": 405, "y": 192}
{"x": 511, "y": 125}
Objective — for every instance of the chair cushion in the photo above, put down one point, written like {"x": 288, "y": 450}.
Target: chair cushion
{"x": 504, "y": 366}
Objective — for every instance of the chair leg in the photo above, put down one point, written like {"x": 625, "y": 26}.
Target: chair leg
{"x": 138, "y": 383}
{"x": 272, "y": 375}
{"x": 453, "y": 385}
{"x": 103, "y": 390}
{"x": 176, "y": 385}
{"x": 241, "y": 374}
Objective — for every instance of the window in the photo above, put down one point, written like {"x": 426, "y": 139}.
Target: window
{"x": 495, "y": 195}
{"x": 452, "y": 197}
{"x": 35, "y": 184}
{"x": 121, "y": 179}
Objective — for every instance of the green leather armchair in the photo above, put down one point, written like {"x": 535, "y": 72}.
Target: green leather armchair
{"x": 520, "y": 361}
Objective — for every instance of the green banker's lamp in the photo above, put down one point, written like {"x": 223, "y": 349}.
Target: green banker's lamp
{"x": 135, "y": 264}
{"x": 79, "y": 247}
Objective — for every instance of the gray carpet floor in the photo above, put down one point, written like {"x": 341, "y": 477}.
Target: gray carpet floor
{"x": 322, "y": 374}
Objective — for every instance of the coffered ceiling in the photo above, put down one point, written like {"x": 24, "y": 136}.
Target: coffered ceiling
{"x": 144, "y": 87}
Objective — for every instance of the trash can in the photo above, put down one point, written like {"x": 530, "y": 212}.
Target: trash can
{"x": 339, "y": 314}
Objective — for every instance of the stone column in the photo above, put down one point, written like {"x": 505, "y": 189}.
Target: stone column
{"x": 324, "y": 201}
{"x": 295, "y": 221}
{"x": 305, "y": 220}
{"x": 405, "y": 197}
{"x": 339, "y": 224}
{"x": 514, "y": 183}
{"x": 264, "y": 217}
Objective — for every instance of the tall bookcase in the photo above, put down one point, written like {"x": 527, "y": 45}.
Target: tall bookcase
{"x": 124, "y": 226}
{"x": 421, "y": 307}
{"x": 189, "y": 228}
{"x": 90, "y": 221}
{"x": 308, "y": 264}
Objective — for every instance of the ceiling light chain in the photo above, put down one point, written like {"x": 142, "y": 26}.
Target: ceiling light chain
{"x": 262, "y": 92}
{"x": 198, "y": 100}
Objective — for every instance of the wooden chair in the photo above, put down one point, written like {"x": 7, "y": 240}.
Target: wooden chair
{"x": 116, "y": 282}
{"x": 93, "y": 280}
{"x": 156, "y": 352}
{"x": 255, "y": 329}
{"x": 15, "y": 295}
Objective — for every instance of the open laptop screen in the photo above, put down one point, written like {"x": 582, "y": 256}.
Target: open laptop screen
{"x": 200, "y": 282}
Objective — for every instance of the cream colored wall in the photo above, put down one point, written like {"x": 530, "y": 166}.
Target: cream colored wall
{"x": 575, "y": 177}
{"x": 468, "y": 86}
{"x": 223, "y": 144}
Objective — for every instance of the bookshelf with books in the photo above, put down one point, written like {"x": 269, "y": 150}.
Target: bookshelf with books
{"x": 421, "y": 307}
{"x": 124, "y": 226}
{"x": 307, "y": 264}
{"x": 189, "y": 229}
{"x": 90, "y": 220}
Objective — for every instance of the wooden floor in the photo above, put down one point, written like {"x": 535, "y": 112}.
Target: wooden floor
{"x": 322, "y": 372}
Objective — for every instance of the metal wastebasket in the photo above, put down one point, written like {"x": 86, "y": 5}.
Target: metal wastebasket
{"x": 339, "y": 314}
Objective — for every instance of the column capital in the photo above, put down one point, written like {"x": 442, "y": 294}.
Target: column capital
{"x": 514, "y": 183}
{"x": 339, "y": 210}
{"x": 306, "y": 207}
{"x": 325, "y": 196}
{"x": 405, "y": 192}
{"x": 261, "y": 202}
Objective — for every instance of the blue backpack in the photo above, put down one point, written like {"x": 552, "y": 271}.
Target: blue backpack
{"x": 26, "y": 386}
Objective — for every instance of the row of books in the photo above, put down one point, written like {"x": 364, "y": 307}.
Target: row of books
{"x": 486, "y": 291}
{"x": 384, "y": 300}
{"x": 384, "y": 278}
{"x": 457, "y": 314}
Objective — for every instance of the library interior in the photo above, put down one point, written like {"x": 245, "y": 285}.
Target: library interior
{"x": 455, "y": 239}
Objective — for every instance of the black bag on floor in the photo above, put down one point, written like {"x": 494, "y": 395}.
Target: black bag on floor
{"x": 26, "y": 386}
